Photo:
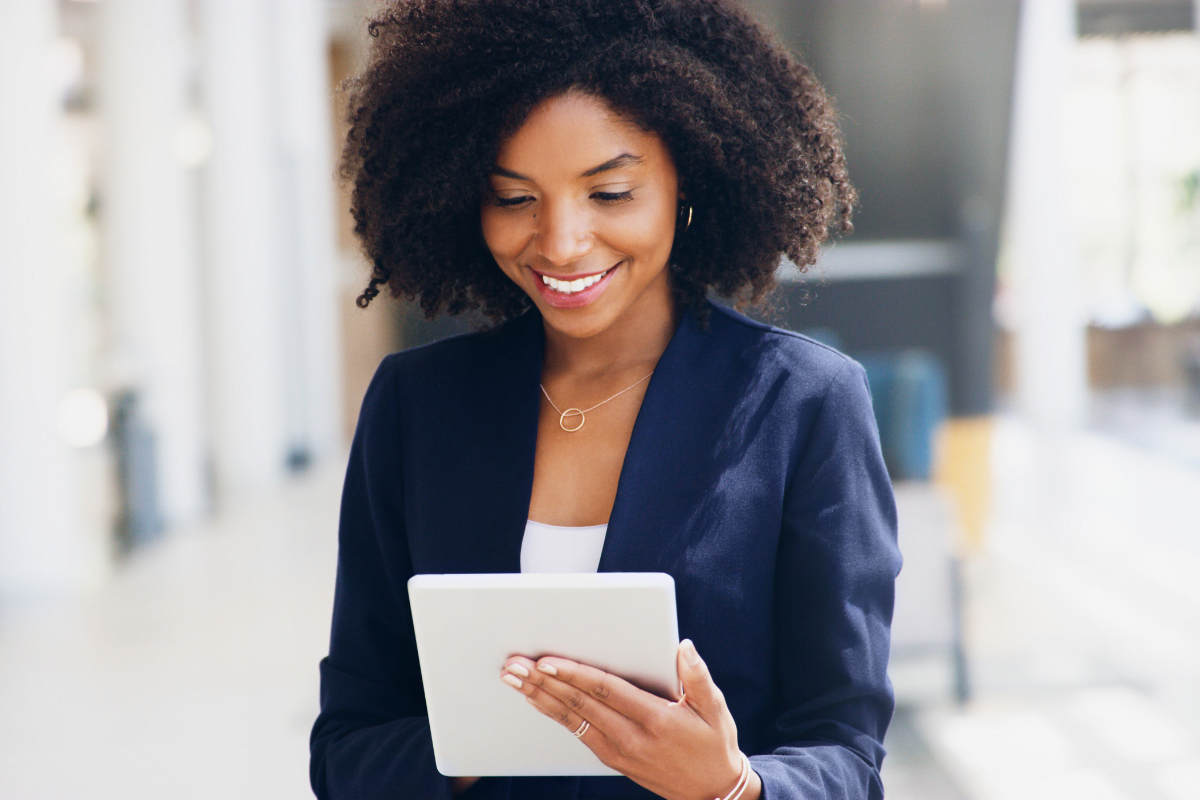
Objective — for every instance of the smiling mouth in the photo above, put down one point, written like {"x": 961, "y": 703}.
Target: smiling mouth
{"x": 577, "y": 285}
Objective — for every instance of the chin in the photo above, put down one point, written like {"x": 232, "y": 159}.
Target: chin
{"x": 577, "y": 323}
{"x": 580, "y": 331}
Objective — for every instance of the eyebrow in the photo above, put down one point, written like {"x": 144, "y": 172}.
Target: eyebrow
{"x": 625, "y": 159}
{"x": 622, "y": 160}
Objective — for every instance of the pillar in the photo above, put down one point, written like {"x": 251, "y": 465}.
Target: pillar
{"x": 1050, "y": 333}
{"x": 244, "y": 274}
{"x": 149, "y": 240}
{"x": 1049, "y": 330}
{"x": 41, "y": 540}
{"x": 310, "y": 258}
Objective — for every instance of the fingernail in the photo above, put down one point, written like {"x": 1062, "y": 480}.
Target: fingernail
{"x": 511, "y": 680}
{"x": 547, "y": 668}
{"x": 518, "y": 669}
{"x": 689, "y": 652}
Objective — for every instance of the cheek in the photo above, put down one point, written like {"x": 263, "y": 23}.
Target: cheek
{"x": 501, "y": 236}
{"x": 650, "y": 234}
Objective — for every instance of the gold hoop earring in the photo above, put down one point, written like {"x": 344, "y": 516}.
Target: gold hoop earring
{"x": 687, "y": 223}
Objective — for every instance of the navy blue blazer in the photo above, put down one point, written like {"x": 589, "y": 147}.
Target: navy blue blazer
{"x": 753, "y": 477}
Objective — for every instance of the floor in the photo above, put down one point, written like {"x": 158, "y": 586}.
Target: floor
{"x": 193, "y": 674}
{"x": 1082, "y": 621}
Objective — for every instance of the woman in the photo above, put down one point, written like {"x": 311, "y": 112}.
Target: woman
{"x": 585, "y": 171}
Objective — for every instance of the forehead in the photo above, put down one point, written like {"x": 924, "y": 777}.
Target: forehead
{"x": 572, "y": 133}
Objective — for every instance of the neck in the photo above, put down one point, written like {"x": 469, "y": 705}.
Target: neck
{"x": 637, "y": 341}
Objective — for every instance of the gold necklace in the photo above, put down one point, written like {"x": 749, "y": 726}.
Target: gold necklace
{"x": 575, "y": 412}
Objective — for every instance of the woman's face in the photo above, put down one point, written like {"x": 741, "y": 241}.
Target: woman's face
{"x": 583, "y": 214}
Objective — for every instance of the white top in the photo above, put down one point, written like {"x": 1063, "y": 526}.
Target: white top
{"x": 554, "y": 548}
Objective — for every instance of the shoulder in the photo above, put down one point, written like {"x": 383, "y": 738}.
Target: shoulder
{"x": 461, "y": 353}
{"x": 450, "y": 376}
{"x": 770, "y": 349}
{"x": 465, "y": 360}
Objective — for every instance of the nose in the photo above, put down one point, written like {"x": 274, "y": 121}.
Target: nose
{"x": 563, "y": 234}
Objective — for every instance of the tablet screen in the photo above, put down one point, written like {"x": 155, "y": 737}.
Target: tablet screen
{"x": 468, "y": 625}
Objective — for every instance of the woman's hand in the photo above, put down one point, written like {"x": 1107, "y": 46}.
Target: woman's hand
{"x": 683, "y": 751}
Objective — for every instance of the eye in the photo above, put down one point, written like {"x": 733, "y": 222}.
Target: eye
{"x": 512, "y": 202}
{"x": 613, "y": 198}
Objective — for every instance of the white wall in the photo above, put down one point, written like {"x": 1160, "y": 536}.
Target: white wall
{"x": 215, "y": 296}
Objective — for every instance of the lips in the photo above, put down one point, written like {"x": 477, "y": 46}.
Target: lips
{"x": 563, "y": 292}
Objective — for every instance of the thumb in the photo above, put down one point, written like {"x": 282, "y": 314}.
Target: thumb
{"x": 699, "y": 691}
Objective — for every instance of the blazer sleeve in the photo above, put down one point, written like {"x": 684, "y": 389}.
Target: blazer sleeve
{"x": 835, "y": 581}
{"x": 371, "y": 738}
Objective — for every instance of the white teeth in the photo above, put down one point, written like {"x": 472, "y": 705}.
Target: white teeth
{"x": 570, "y": 287}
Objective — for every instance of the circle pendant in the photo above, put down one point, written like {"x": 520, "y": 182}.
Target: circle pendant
{"x": 572, "y": 413}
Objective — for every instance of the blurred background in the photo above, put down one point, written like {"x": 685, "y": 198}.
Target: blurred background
{"x": 181, "y": 363}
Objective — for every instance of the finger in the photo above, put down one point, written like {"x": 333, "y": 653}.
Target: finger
{"x": 592, "y": 735}
{"x": 602, "y": 687}
{"x": 572, "y": 721}
{"x": 699, "y": 691}
{"x": 520, "y": 666}
{"x": 552, "y": 695}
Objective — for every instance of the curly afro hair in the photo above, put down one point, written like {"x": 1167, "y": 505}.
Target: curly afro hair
{"x": 753, "y": 136}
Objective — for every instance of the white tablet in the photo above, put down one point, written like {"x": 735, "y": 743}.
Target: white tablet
{"x": 468, "y": 625}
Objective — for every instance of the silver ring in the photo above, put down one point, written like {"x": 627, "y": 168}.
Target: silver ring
{"x": 583, "y": 726}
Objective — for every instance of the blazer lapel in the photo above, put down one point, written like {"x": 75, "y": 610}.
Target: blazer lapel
{"x": 670, "y": 461}
{"x": 644, "y": 516}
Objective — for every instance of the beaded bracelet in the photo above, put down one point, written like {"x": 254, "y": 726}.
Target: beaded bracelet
{"x": 743, "y": 781}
